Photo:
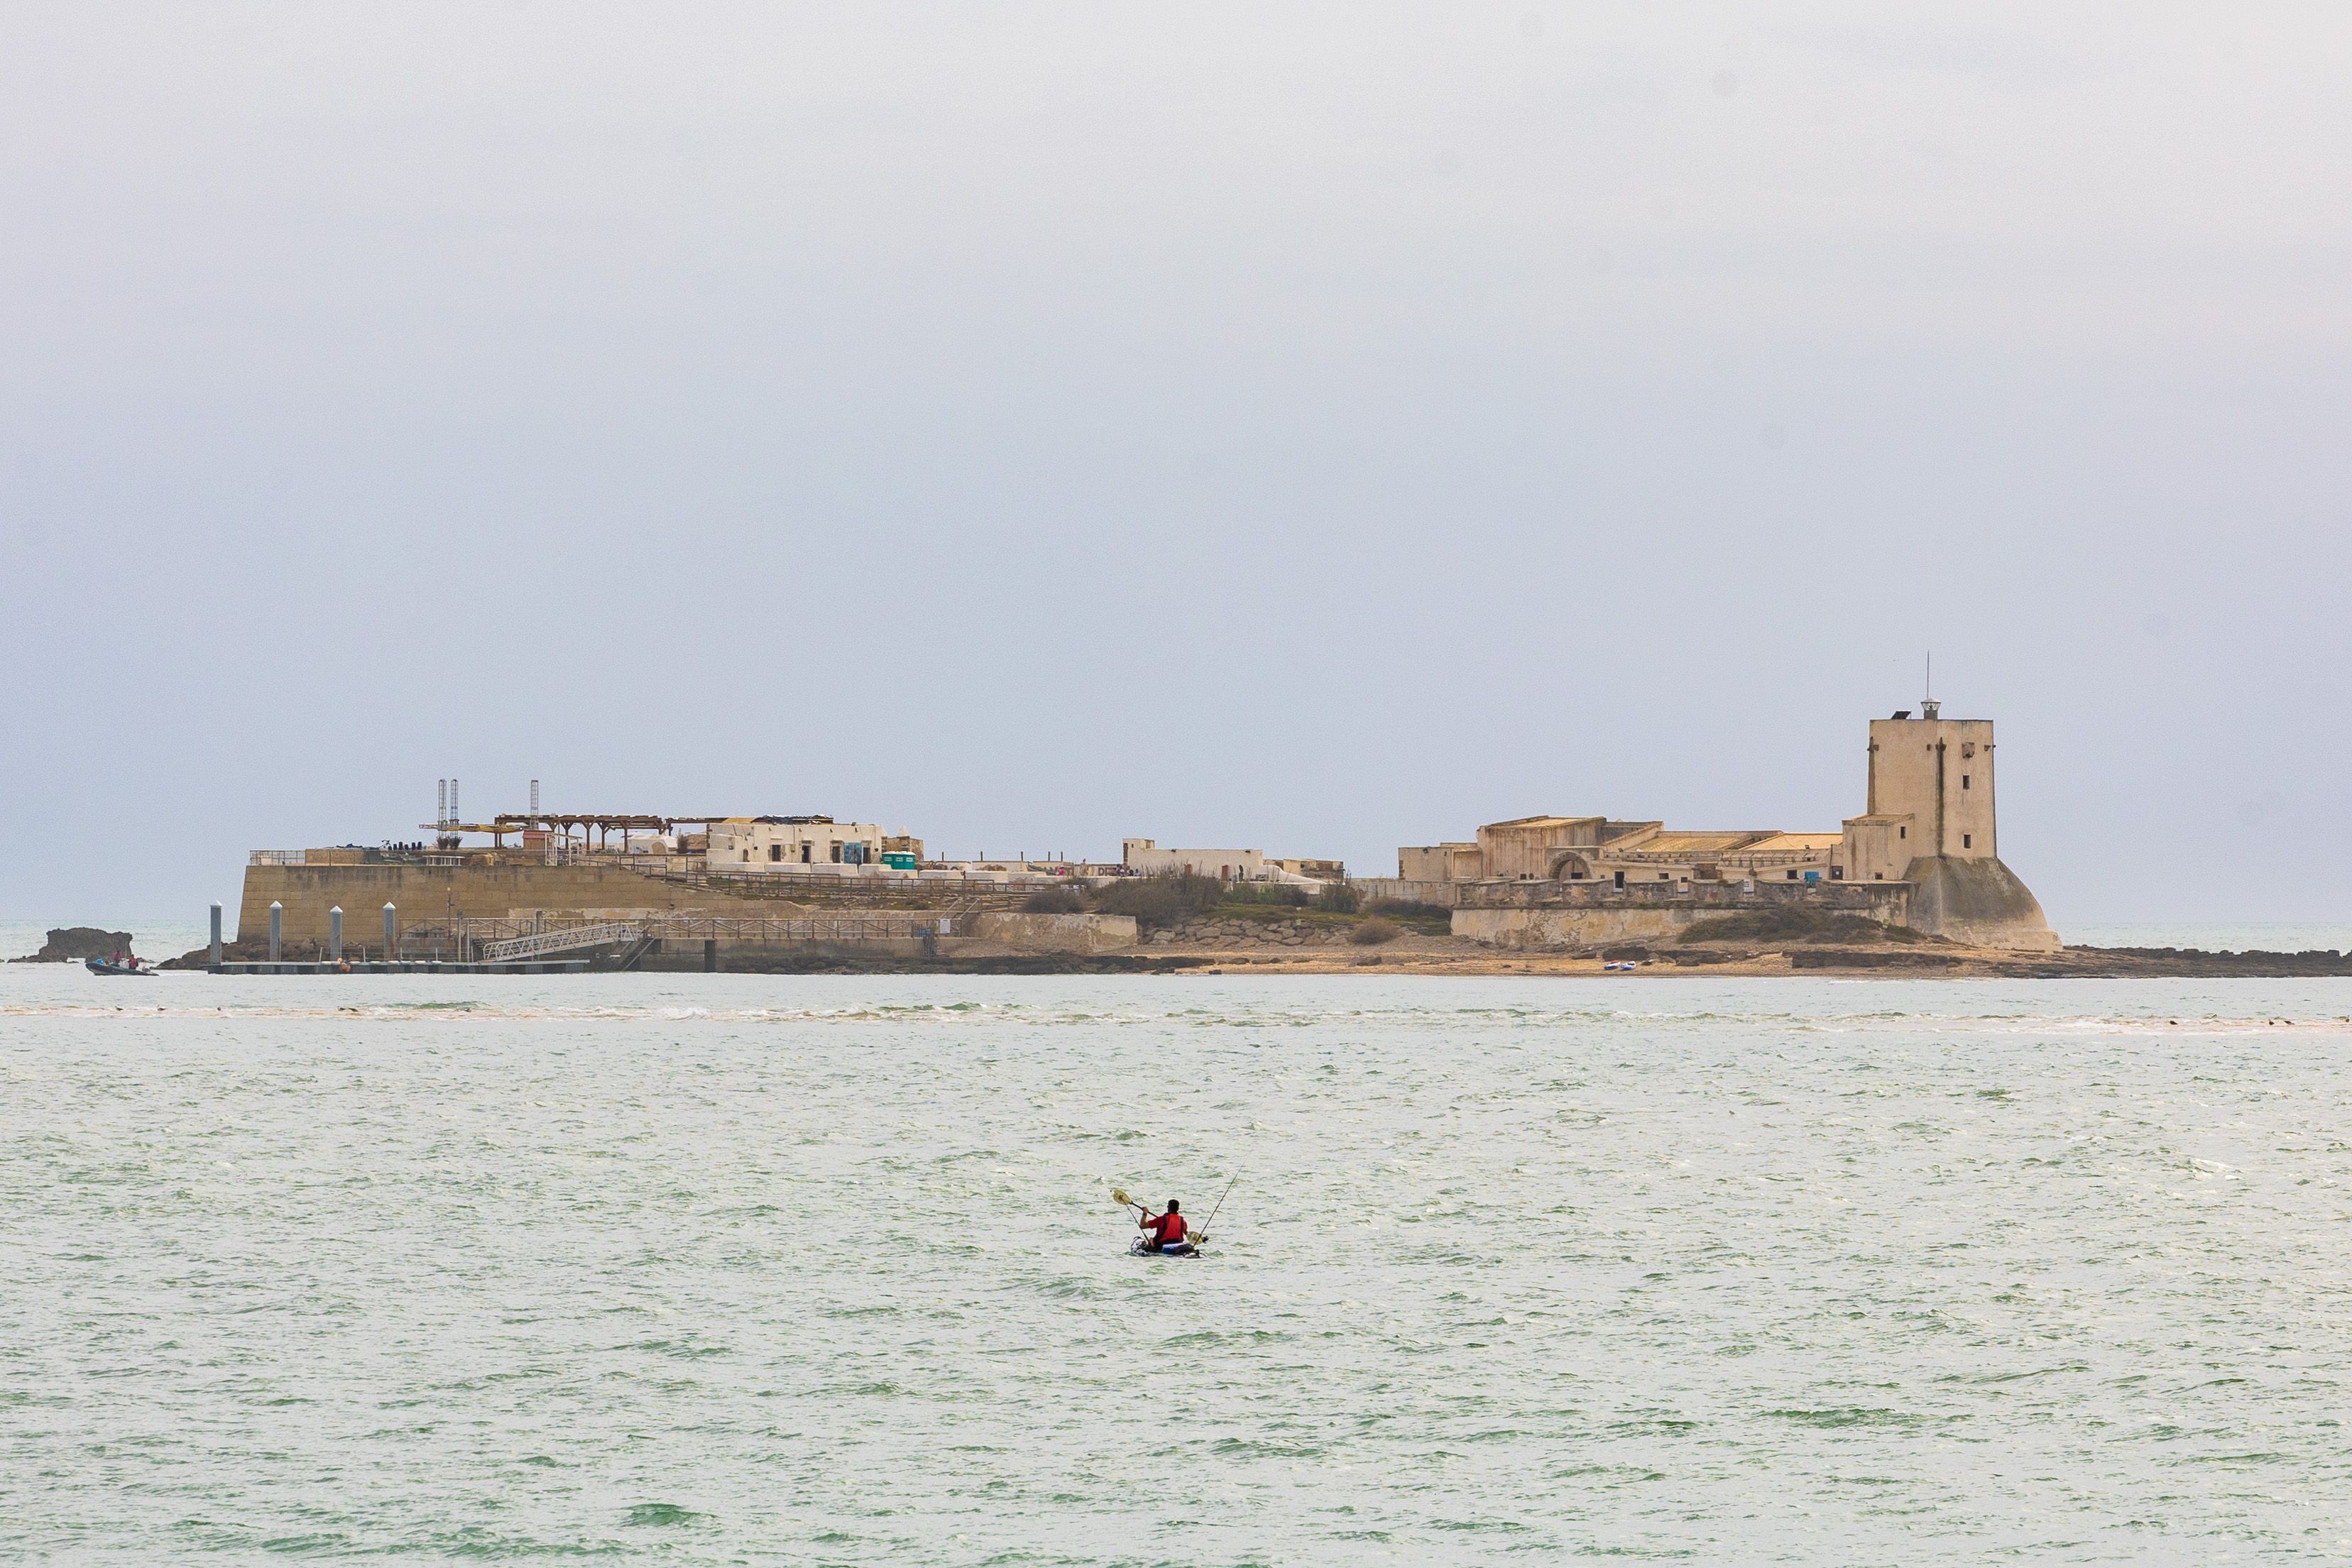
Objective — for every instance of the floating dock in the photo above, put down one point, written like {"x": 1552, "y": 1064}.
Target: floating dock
{"x": 405, "y": 966}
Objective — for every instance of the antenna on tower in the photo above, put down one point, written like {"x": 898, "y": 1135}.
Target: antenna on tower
{"x": 441, "y": 802}
{"x": 453, "y": 802}
{"x": 1929, "y": 706}
{"x": 534, "y": 797}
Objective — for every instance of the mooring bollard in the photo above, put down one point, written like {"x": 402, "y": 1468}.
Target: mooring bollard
{"x": 335, "y": 933}
{"x": 215, "y": 936}
{"x": 276, "y": 928}
{"x": 390, "y": 931}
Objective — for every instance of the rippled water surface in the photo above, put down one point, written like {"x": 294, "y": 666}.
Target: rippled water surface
{"x": 734, "y": 1269}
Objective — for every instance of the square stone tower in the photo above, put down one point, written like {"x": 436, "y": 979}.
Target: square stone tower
{"x": 1937, "y": 772}
{"x": 1930, "y": 823}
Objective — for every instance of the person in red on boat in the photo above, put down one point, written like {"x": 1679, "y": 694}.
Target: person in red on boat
{"x": 1166, "y": 1230}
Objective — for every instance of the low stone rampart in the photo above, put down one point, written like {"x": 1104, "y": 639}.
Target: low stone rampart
{"x": 1588, "y": 914}
{"x": 1404, "y": 890}
{"x": 1057, "y": 933}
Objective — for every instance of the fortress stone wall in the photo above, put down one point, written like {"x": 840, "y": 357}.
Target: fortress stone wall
{"x": 428, "y": 895}
{"x": 1585, "y": 914}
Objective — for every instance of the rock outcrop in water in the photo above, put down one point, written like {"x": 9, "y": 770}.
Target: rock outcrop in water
{"x": 72, "y": 943}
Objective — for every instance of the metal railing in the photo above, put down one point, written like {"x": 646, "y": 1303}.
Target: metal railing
{"x": 559, "y": 939}
{"x": 864, "y": 928}
{"x": 275, "y": 857}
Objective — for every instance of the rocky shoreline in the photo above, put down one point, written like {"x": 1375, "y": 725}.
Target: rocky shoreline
{"x": 1445, "y": 957}
{"x": 1906, "y": 960}
{"x": 1306, "y": 944}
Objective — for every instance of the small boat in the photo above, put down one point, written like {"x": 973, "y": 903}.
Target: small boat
{"x": 109, "y": 967}
{"x": 1139, "y": 1248}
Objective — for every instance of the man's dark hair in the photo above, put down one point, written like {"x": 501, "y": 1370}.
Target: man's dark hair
{"x": 1172, "y": 1205}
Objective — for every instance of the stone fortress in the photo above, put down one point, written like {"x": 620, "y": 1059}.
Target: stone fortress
{"x": 1925, "y": 853}
{"x": 1923, "y": 857}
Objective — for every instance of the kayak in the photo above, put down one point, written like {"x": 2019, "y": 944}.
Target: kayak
{"x": 107, "y": 966}
{"x": 1139, "y": 1248}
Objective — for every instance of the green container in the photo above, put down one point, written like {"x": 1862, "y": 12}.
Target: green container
{"x": 898, "y": 860}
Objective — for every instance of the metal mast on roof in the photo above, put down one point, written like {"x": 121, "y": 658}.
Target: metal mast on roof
{"x": 1929, "y": 706}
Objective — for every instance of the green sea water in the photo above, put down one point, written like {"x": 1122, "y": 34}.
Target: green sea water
{"x": 824, "y": 1270}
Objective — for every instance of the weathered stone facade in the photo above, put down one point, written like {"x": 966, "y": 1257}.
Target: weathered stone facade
{"x": 426, "y": 895}
{"x": 1927, "y": 828}
{"x": 1590, "y": 914}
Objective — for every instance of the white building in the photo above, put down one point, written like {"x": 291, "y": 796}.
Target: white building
{"x": 1146, "y": 858}
{"x": 742, "y": 844}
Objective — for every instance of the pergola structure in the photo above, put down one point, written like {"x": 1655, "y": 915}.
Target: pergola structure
{"x": 601, "y": 824}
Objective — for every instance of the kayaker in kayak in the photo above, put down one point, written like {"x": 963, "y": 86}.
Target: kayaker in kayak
{"x": 1166, "y": 1230}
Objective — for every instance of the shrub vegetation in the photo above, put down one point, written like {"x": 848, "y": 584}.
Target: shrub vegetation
{"x": 1429, "y": 919}
{"x": 1281, "y": 895}
{"x": 1158, "y": 902}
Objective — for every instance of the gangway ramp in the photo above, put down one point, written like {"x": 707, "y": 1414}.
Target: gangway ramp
{"x": 561, "y": 939}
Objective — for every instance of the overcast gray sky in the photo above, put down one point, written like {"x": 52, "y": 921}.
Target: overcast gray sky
{"x": 1312, "y": 427}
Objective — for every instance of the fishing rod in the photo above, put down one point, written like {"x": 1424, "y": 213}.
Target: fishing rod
{"x": 1220, "y": 1203}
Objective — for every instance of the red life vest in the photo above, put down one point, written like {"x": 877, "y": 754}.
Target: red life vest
{"x": 1168, "y": 1227}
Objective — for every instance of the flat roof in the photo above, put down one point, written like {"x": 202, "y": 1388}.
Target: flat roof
{"x": 1691, "y": 840}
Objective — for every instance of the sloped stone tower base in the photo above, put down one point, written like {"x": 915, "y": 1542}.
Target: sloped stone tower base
{"x": 1979, "y": 902}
